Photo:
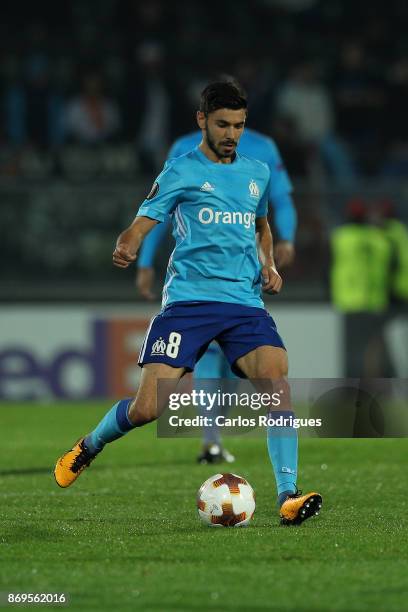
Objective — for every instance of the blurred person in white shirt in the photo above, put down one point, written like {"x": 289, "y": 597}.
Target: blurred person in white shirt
{"x": 307, "y": 101}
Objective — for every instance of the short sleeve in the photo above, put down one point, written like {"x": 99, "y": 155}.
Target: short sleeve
{"x": 163, "y": 196}
{"x": 280, "y": 182}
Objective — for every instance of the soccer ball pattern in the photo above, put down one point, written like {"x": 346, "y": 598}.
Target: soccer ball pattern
{"x": 226, "y": 500}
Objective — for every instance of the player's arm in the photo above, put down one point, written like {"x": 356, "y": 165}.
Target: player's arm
{"x": 150, "y": 245}
{"x": 145, "y": 270}
{"x": 284, "y": 211}
{"x": 285, "y": 219}
{"x": 271, "y": 280}
{"x": 129, "y": 241}
{"x": 145, "y": 260}
{"x": 160, "y": 202}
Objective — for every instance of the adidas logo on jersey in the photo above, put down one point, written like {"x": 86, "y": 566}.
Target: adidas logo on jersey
{"x": 207, "y": 187}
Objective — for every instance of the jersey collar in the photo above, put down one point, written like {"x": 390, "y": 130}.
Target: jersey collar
{"x": 207, "y": 161}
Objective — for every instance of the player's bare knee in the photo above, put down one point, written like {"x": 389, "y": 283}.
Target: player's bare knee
{"x": 275, "y": 367}
{"x": 273, "y": 372}
{"x": 282, "y": 366}
{"x": 275, "y": 385}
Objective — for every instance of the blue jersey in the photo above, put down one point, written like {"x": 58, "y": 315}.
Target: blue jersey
{"x": 251, "y": 144}
{"x": 213, "y": 207}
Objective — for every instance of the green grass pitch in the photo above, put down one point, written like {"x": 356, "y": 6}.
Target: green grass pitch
{"x": 126, "y": 536}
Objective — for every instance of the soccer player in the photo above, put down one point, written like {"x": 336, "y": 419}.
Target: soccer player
{"x": 212, "y": 291}
{"x": 213, "y": 364}
{"x": 251, "y": 144}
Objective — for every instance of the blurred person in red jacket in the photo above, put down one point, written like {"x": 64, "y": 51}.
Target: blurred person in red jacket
{"x": 92, "y": 117}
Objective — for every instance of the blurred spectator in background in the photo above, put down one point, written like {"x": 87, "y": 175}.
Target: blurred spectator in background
{"x": 44, "y": 105}
{"x": 33, "y": 106}
{"x": 149, "y": 106}
{"x": 360, "y": 101}
{"x": 307, "y": 101}
{"x": 397, "y": 234}
{"x": 360, "y": 278}
{"x": 396, "y": 328}
{"x": 33, "y": 109}
{"x": 316, "y": 120}
{"x": 294, "y": 151}
{"x": 91, "y": 117}
{"x": 361, "y": 260}
{"x": 145, "y": 20}
{"x": 395, "y": 120}
{"x": 256, "y": 79}
{"x": 12, "y": 101}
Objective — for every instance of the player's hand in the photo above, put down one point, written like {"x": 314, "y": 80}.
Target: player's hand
{"x": 271, "y": 280}
{"x": 123, "y": 256}
{"x": 144, "y": 283}
{"x": 284, "y": 254}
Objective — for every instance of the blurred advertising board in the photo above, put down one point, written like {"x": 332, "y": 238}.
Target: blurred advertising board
{"x": 85, "y": 352}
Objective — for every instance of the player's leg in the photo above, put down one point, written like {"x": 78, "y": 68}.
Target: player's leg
{"x": 267, "y": 367}
{"x": 119, "y": 420}
{"x": 211, "y": 367}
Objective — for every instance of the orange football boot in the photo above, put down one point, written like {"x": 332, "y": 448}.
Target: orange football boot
{"x": 297, "y": 507}
{"x": 72, "y": 464}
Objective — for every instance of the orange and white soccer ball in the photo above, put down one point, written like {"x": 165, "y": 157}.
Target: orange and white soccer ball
{"x": 226, "y": 500}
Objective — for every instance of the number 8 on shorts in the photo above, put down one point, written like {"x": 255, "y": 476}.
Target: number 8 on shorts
{"x": 173, "y": 345}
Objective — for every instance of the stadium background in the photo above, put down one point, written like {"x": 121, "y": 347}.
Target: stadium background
{"x": 67, "y": 188}
{"x": 71, "y": 325}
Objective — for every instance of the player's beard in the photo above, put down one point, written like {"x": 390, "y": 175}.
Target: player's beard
{"x": 211, "y": 143}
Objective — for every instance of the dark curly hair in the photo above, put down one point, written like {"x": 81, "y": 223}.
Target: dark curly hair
{"x": 222, "y": 94}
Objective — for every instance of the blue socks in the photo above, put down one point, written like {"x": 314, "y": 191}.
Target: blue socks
{"x": 114, "y": 425}
{"x": 283, "y": 453}
{"x": 282, "y": 442}
{"x": 211, "y": 433}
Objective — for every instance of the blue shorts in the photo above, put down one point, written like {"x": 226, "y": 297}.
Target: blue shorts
{"x": 180, "y": 334}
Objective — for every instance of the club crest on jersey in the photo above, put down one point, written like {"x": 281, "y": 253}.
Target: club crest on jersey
{"x": 153, "y": 192}
{"x": 253, "y": 189}
{"x": 159, "y": 347}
